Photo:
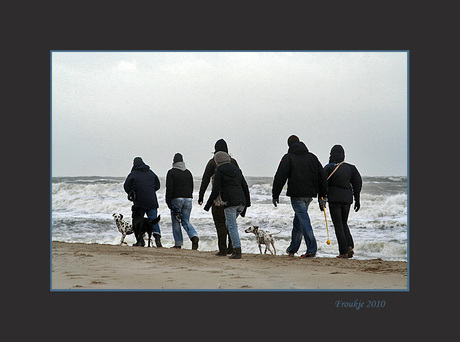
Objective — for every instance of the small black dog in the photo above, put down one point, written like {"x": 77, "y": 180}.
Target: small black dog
{"x": 141, "y": 226}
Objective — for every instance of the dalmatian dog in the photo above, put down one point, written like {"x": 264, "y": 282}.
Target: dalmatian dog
{"x": 263, "y": 238}
{"x": 124, "y": 227}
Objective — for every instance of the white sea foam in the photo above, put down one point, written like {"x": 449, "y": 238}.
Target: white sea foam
{"x": 82, "y": 211}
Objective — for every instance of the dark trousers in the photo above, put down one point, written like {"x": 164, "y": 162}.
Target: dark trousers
{"x": 339, "y": 214}
{"x": 222, "y": 231}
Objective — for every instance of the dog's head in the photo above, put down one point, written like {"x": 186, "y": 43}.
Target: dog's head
{"x": 118, "y": 217}
{"x": 252, "y": 229}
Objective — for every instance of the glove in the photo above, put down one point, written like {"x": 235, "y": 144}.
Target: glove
{"x": 200, "y": 200}
{"x": 132, "y": 196}
{"x": 357, "y": 202}
{"x": 275, "y": 200}
{"x": 357, "y": 206}
{"x": 322, "y": 203}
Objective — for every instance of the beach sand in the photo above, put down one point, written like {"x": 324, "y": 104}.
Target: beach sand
{"x": 77, "y": 266}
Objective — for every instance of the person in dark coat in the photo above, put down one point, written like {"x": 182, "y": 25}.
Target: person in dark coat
{"x": 306, "y": 179}
{"x": 217, "y": 209}
{"x": 179, "y": 190}
{"x": 230, "y": 184}
{"x": 344, "y": 183}
{"x": 141, "y": 186}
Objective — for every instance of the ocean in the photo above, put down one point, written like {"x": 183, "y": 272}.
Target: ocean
{"x": 82, "y": 208}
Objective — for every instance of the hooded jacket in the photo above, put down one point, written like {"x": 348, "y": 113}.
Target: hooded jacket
{"x": 145, "y": 183}
{"x": 210, "y": 168}
{"x": 303, "y": 172}
{"x": 179, "y": 183}
{"x": 230, "y": 183}
{"x": 346, "y": 182}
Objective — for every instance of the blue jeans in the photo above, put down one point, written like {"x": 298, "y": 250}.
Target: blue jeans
{"x": 185, "y": 207}
{"x": 231, "y": 213}
{"x": 152, "y": 214}
{"x": 302, "y": 226}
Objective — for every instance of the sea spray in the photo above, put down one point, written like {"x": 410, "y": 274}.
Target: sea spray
{"x": 82, "y": 209}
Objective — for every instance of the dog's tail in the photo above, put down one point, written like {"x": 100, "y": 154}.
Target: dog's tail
{"x": 156, "y": 220}
{"x": 275, "y": 233}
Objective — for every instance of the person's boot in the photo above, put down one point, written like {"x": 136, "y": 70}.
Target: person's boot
{"x": 195, "y": 240}
{"x": 236, "y": 253}
{"x": 230, "y": 247}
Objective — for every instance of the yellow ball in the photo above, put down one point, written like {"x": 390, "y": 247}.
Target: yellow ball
{"x": 328, "y": 242}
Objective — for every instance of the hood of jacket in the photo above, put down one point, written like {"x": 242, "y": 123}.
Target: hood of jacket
{"x": 179, "y": 165}
{"x": 229, "y": 170}
{"x": 138, "y": 164}
{"x": 298, "y": 148}
{"x": 337, "y": 154}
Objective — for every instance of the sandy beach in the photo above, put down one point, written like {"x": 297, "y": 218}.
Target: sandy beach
{"x": 77, "y": 266}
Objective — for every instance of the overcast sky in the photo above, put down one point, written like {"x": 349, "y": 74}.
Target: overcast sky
{"x": 109, "y": 107}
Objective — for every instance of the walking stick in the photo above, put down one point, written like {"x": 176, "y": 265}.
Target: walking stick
{"x": 327, "y": 229}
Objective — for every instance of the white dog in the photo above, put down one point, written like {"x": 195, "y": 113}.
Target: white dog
{"x": 124, "y": 227}
{"x": 263, "y": 238}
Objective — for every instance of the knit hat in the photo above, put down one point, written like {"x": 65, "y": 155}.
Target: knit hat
{"x": 178, "y": 158}
{"x": 220, "y": 145}
{"x": 292, "y": 139}
{"x": 221, "y": 157}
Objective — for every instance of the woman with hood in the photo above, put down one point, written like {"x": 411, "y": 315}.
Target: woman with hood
{"x": 179, "y": 190}
{"x": 344, "y": 183}
{"x": 141, "y": 186}
{"x": 217, "y": 208}
{"x": 230, "y": 184}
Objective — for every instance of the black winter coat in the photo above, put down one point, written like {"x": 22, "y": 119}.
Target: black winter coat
{"x": 145, "y": 183}
{"x": 209, "y": 171}
{"x": 303, "y": 172}
{"x": 179, "y": 184}
{"x": 346, "y": 182}
{"x": 230, "y": 183}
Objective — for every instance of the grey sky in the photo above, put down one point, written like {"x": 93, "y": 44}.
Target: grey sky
{"x": 109, "y": 107}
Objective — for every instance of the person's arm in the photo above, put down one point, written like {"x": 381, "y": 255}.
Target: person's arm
{"x": 281, "y": 176}
{"x": 357, "y": 183}
{"x": 169, "y": 188}
{"x": 215, "y": 190}
{"x": 207, "y": 174}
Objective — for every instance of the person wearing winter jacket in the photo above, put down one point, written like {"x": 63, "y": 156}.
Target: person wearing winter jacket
{"x": 306, "y": 179}
{"x": 141, "y": 186}
{"x": 230, "y": 184}
{"x": 179, "y": 190}
{"x": 217, "y": 209}
{"x": 344, "y": 183}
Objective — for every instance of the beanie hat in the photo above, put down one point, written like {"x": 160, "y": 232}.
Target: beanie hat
{"x": 221, "y": 157}
{"x": 220, "y": 145}
{"x": 178, "y": 158}
{"x": 292, "y": 139}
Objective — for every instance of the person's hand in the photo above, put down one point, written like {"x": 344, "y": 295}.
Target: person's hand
{"x": 357, "y": 206}
{"x": 322, "y": 203}
{"x": 200, "y": 200}
{"x": 275, "y": 201}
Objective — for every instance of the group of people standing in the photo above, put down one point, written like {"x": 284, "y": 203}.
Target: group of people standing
{"x": 338, "y": 183}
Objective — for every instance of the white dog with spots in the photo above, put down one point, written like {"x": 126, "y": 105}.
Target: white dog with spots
{"x": 124, "y": 227}
{"x": 263, "y": 238}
